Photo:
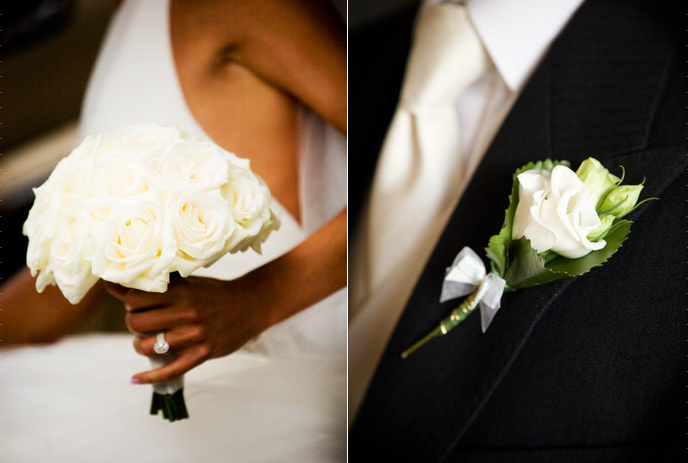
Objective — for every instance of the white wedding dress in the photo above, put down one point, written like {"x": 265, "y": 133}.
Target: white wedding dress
{"x": 281, "y": 398}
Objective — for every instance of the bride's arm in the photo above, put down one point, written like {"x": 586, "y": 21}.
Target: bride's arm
{"x": 29, "y": 317}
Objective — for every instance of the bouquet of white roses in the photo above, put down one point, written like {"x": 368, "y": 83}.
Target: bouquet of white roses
{"x": 137, "y": 205}
{"x": 559, "y": 224}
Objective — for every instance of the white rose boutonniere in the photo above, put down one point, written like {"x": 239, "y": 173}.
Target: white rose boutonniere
{"x": 559, "y": 224}
{"x": 556, "y": 212}
{"x": 137, "y": 205}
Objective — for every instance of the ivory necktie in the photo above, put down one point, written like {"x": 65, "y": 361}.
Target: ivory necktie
{"x": 421, "y": 168}
{"x": 418, "y": 178}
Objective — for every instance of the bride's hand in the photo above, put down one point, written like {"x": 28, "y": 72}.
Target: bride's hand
{"x": 205, "y": 318}
{"x": 202, "y": 319}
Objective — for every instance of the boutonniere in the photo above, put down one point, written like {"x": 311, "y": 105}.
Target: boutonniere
{"x": 559, "y": 224}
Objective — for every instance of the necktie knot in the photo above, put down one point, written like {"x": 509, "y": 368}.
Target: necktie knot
{"x": 446, "y": 57}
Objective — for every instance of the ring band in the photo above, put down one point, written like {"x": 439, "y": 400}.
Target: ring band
{"x": 161, "y": 346}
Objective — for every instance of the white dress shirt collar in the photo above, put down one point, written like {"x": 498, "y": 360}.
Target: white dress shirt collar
{"x": 517, "y": 34}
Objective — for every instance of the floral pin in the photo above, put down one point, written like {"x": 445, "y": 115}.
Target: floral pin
{"x": 559, "y": 224}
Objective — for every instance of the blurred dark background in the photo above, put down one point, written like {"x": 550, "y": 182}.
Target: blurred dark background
{"x": 362, "y": 12}
{"x": 48, "y": 49}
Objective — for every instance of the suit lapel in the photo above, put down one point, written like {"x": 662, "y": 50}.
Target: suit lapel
{"x": 418, "y": 408}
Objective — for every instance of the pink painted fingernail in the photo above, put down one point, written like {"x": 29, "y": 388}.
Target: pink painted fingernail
{"x": 135, "y": 381}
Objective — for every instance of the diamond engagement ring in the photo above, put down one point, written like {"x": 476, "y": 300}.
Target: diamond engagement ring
{"x": 161, "y": 346}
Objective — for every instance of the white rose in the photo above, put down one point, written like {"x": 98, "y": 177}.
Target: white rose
{"x": 135, "y": 248}
{"x": 108, "y": 181}
{"x": 555, "y": 212}
{"x": 141, "y": 136}
{"x": 70, "y": 255}
{"x": 59, "y": 243}
{"x": 39, "y": 228}
{"x": 187, "y": 165}
{"x": 105, "y": 168}
{"x": 249, "y": 199}
{"x": 203, "y": 228}
{"x": 78, "y": 160}
{"x": 271, "y": 225}
{"x": 117, "y": 177}
{"x": 236, "y": 162}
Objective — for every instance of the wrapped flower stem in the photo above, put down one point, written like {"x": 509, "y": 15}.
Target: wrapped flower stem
{"x": 456, "y": 316}
{"x": 172, "y": 405}
{"x": 168, "y": 396}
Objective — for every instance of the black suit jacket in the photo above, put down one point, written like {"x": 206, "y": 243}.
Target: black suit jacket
{"x": 591, "y": 368}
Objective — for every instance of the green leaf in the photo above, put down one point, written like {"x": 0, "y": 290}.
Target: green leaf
{"x": 614, "y": 239}
{"x": 526, "y": 268}
{"x": 496, "y": 249}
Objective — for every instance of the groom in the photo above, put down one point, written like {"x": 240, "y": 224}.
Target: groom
{"x": 585, "y": 369}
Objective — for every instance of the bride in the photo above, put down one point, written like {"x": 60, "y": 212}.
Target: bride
{"x": 266, "y": 80}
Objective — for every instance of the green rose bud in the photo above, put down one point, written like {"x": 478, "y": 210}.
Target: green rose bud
{"x": 597, "y": 179}
{"x": 606, "y": 221}
{"x": 621, "y": 200}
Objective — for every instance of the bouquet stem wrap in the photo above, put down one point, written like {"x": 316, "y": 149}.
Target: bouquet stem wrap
{"x": 168, "y": 396}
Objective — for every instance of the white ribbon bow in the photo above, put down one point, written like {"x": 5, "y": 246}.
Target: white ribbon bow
{"x": 467, "y": 273}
